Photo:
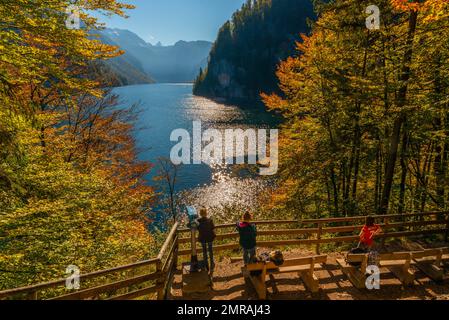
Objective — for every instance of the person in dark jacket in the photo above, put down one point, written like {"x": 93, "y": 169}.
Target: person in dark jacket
{"x": 206, "y": 230}
{"x": 248, "y": 234}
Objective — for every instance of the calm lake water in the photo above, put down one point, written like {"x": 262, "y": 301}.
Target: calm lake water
{"x": 166, "y": 107}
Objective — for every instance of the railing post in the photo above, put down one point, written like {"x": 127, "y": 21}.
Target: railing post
{"x": 386, "y": 222}
{"x": 32, "y": 295}
{"x": 175, "y": 253}
{"x": 168, "y": 282}
{"x": 161, "y": 280}
{"x": 447, "y": 228}
{"x": 320, "y": 229}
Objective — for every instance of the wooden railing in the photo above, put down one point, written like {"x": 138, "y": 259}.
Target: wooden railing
{"x": 153, "y": 278}
{"x": 330, "y": 230}
{"x": 149, "y": 278}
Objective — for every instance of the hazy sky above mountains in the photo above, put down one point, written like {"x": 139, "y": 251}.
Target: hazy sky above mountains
{"x": 168, "y": 21}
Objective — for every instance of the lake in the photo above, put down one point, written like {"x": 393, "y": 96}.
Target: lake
{"x": 166, "y": 107}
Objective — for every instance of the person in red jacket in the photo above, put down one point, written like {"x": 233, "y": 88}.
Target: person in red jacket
{"x": 369, "y": 231}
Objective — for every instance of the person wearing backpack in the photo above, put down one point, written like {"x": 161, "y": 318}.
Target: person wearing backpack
{"x": 248, "y": 234}
{"x": 206, "y": 237}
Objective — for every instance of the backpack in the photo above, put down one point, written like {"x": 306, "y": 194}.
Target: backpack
{"x": 357, "y": 250}
{"x": 274, "y": 256}
{"x": 277, "y": 258}
{"x": 263, "y": 257}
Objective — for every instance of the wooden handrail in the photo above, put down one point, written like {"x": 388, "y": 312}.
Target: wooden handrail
{"x": 299, "y": 242}
{"x": 324, "y": 230}
{"x": 168, "y": 240}
{"x": 90, "y": 292}
{"x": 263, "y": 222}
{"x": 87, "y": 276}
{"x": 329, "y": 220}
{"x": 260, "y": 233}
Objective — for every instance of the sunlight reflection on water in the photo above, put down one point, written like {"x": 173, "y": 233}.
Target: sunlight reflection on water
{"x": 228, "y": 196}
{"x": 167, "y": 107}
{"x": 233, "y": 189}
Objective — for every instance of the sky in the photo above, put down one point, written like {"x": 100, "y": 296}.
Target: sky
{"x": 169, "y": 21}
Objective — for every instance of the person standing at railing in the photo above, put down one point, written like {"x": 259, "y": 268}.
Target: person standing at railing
{"x": 248, "y": 235}
{"x": 206, "y": 237}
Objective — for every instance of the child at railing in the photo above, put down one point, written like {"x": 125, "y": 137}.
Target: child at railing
{"x": 369, "y": 231}
{"x": 248, "y": 234}
{"x": 206, "y": 237}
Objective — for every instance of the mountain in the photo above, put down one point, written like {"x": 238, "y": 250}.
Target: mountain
{"x": 177, "y": 63}
{"x": 127, "y": 68}
{"x": 248, "y": 48}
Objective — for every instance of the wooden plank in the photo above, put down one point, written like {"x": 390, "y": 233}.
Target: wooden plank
{"x": 330, "y": 220}
{"x": 261, "y": 223}
{"x": 279, "y": 232}
{"x": 305, "y": 260}
{"x": 426, "y": 253}
{"x": 170, "y": 256}
{"x": 87, "y": 276}
{"x": 410, "y": 233}
{"x": 218, "y": 248}
{"x": 340, "y": 239}
{"x": 137, "y": 293}
{"x": 392, "y": 263}
{"x": 298, "y": 242}
{"x": 384, "y": 226}
{"x": 87, "y": 293}
{"x": 333, "y": 230}
{"x": 296, "y": 262}
{"x": 290, "y": 242}
{"x": 356, "y": 258}
{"x": 168, "y": 240}
{"x": 396, "y": 256}
{"x": 378, "y": 217}
{"x": 255, "y": 267}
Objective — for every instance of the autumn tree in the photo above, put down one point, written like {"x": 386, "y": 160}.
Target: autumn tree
{"x": 366, "y": 110}
{"x": 72, "y": 190}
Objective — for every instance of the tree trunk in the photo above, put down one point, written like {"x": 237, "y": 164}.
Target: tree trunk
{"x": 404, "y": 168}
{"x": 401, "y": 101}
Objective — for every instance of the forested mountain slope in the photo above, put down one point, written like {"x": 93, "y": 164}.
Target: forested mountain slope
{"x": 249, "y": 47}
